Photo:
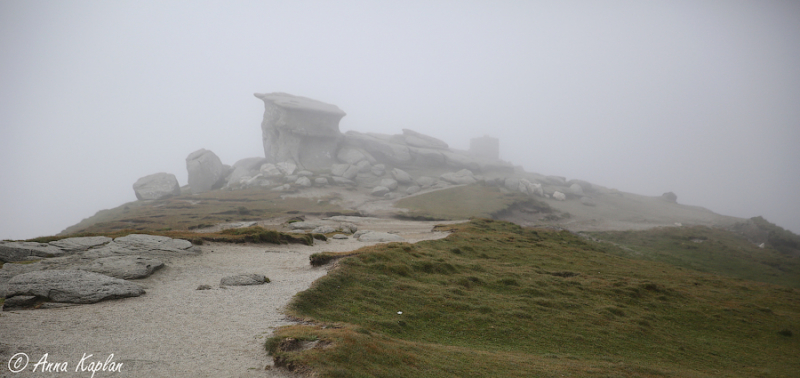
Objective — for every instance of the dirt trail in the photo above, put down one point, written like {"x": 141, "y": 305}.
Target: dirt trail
{"x": 177, "y": 331}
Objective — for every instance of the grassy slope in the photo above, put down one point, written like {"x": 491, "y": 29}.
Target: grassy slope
{"x": 463, "y": 202}
{"x": 493, "y": 299}
{"x": 188, "y": 212}
{"x": 708, "y": 250}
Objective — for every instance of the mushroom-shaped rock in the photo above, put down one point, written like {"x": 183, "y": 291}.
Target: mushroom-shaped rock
{"x": 300, "y": 130}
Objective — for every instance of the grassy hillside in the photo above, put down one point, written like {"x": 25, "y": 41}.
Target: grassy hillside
{"x": 187, "y": 212}
{"x": 496, "y": 300}
{"x": 463, "y": 202}
{"x": 709, "y": 250}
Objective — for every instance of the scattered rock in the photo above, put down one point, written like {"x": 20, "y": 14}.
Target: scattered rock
{"x": 286, "y": 168}
{"x": 156, "y": 186}
{"x": 243, "y": 280}
{"x": 324, "y": 230}
{"x": 586, "y": 186}
{"x": 71, "y": 286}
{"x": 378, "y": 170}
{"x": 320, "y": 181}
{"x": 463, "y": 176}
{"x": 339, "y": 169}
{"x": 389, "y": 183}
{"x": 670, "y": 197}
{"x": 305, "y": 225}
{"x": 204, "y": 287}
{"x": 413, "y": 189}
{"x": 379, "y": 191}
{"x": 351, "y": 172}
{"x": 425, "y": 181}
{"x": 376, "y": 236}
{"x": 576, "y": 189}
{"x": 364, "y": 167}
{"x": 559, "y": 196}
{"x": 340, "y": 236}
{"x": 351, "y": 155}
{"x": 270, "y": 170}
{"x": 343, "y": 181}
{"x": 303, "y": 181}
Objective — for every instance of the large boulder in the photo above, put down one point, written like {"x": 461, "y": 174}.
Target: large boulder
{"x": 71, "y": 286}
{"x": 205, "y": 171}
{"x": 156, "y": 186}
{"x": 401, "y": 176}
{"x": 300, "y": 130}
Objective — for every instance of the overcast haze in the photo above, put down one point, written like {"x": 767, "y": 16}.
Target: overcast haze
{"x": 701, "y": 98}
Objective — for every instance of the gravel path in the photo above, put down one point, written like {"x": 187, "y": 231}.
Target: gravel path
{"x": 175, "y": 330}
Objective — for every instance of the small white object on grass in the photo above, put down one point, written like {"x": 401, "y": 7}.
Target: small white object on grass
{"x": 399, "y": 313}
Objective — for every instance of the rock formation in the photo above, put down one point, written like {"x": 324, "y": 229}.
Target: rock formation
{"x": 109, "y": 261}
{"x": 300, "y": 130}
{"x": 156, "y": 186}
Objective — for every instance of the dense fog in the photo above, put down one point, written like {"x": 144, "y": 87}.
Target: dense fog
{"x": 701, "y": 98}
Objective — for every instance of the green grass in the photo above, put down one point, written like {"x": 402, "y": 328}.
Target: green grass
{"x": 708, "y": 250}
{"x": 497, "y": 300}
{"x": 464, "y": 202}
{"x": 188, "y": 212}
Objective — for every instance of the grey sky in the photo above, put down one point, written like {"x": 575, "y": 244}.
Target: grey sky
{"x": 697, "y": 97}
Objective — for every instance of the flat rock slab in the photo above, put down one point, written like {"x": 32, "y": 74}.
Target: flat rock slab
{"x": 380, "y": 237}
{"x": 243, "y": 280}
{"x": 22, "y": 251}
{"x": 81, "y": 243}
{"x": 125, "y": 267}
{"x": 144, "y": 245}
{"x": 71, "y": 286}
